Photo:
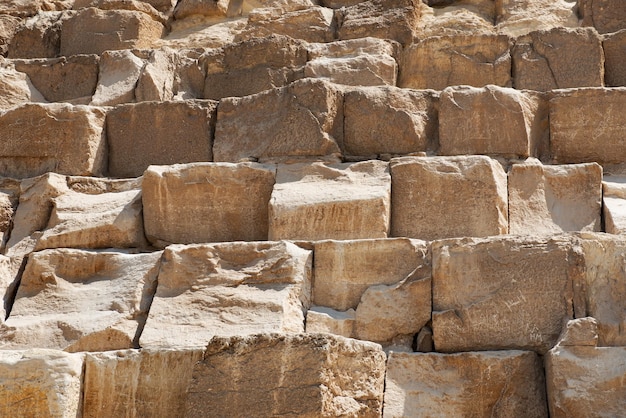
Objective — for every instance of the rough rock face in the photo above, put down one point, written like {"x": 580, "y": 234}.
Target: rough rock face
{"x": 519, "y": 17}
{"x": 614, "y": 205}
{"x": 313, "y": 24}
{"x": 605, "y": 15}
{"x": 118, "y": 76}
{"x": 613, "y": 46}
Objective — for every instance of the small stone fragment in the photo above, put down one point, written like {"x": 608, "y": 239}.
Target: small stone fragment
{"x": 117, "y": 79}
{"x": 320, "y": 319}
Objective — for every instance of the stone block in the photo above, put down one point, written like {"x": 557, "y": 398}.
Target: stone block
{"x": 312, "y": 24}
{"x": 558, "y": 58}
{"x": 8, "y": 26}
{"x": 442, "y": 197}
{"x": 211, "y": 8}
{"x": 313, "y": 201}
{"x": 445, "y": 18}
{"x": 38, "y": 36}
{"x": 389, "y": 120}
{"x": 439, "y": 62}
{"x": 151, "y": 133}
{"x": 76, "y": 300}
{"x": 604, "y": 15}
{"x": 56, "y": 137}
{"x": 24, "y": 8}
{"x": 479, "y": 384}
{"x": 614, "y": 46}
{"x": 262, "y": 375}
{"x": 117, "y": 78}
{"x": 587, "y": 125}
{"x": 16, "y": 87}
{"x": 303, "y": 119}
{"x": 228, "y": 289}
{"x": 548, "y": 199}
{"x": 503, "y": 292}
{"x": 9, "y": 198}
{"x": 519, "y": 17}
{"x": 207, "y": 202}
{"x": 132, "y": 5}
{"x": 492, "y": 120}
{"x": 320, "y": 319}
{"x": 614, "y": 204}
{"x": 40, "y": 383}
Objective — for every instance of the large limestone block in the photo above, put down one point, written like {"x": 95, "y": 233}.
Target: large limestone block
{"x": 313, "y": 201}
{"x": 133, "y": 383}
{"x": 442, "y": 197}
{"x": 605, "y": 15}
{"x": 58, "y": 137}
{"x": 228, "y": 289}
{"x": 312, "y": 24}
{"x": 40, "y": 383}
{"x": 77, "y": 300}
{"x": 587, "y": 125}
{"x": 213, "y": 8}
{"x": 503, "y": 292}
{"x": 8, "y": 26}
{"x": 16, "y": 87}
{"x": 151, "y": 133}
{"x": 480, "y": 384}
{"x": 303, "y": 119}
{"x": 38, "y": 36}
{"x": 519, "y": 17}
{"x": 93, "y": 31}
{"x": 614, "y": 204}
{"x": 207, "y": 202}
{"x": 117, "y": 78}
{"x": 389, "y": 120}
{"x": 448, "y": 17}
{"x": 136, "y": 5}
{"x": 491, "y": 120}
{"x": 252, "y": 66}
{"x": 329, "y": 321}
{"x": 442, "y": 61}
{"x": 614, "y": 46}
{"x": 558, "y": 58}
{"x": 548, "y": 199}
{"x": 306, "y": 375}
{"x": 344, "y": 270}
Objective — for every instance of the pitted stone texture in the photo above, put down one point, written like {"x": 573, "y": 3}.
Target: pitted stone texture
{"x": 8, "y": 26}
{"x": 207, "y": 202}
{"x": 557, "y": 59}
{"x": 16, "y": 87}
{"x": 118, "y": 76}
{"x": 133, "y": 383}
{"x": 303, "y": 119}
{"x": 548, "y": 199}
{"x": 503, "y": 292}
{"x": 53, "y": 137}
{"x": 313, "y": 201}
{"x": 480, "y": 384}
{"x": 442, "y": 197}
{"x": 155, "y": 133}
{"x": 344, "y": 270}
{"x": 329, "y": 321}
{"x": 228, "y": 289}
{"x": 40, "y": 383}
{"x": 587, "y": 125}
{"x": 614, "y": 204}
{"x": 439, "y": 62}
{"x": 605, "y": 15}
{"x": 9, "y": 198}
{"x": 312, "y": 24}
{"x": 491, "y": 120}
{"x": 519, "y": 17}
{"x": 132, "y": 5}
{"x": 389, "y": 120}
{"x": 38, "y": 36}
{"x": 77, "y": 300}
{"x": 614, "y": 46}
{"x": 307, "y": 375}
{"x": 455, "y": 18}
{"x": 212, "y": 8}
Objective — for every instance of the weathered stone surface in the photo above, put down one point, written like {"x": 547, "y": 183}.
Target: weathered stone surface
{"x": 491, "y": 120}
{"x": 313, "y": 201}
{"x": 93, "y": 31}
{"x": 303, "y": 119}
{"x": 252, "y": 66}
{"x": 32, "y": 7}
{"x": 9, "y": 279}
{"x": 614, "y": 204}
{"x": 587, "y": 125}
{"x": 228, "y": 289}
{"x": 8, "y": 26}
{"x": 456, "y": 18}
{"x": 605, "y": 15}
{"x": 320, "y": 319}
{"x": 132, "y": 5}
{"x": 78, "y": 300}
{"x": 548, "y": 199}
{"x": 146, "y": 383}
{"x": 439, "y": 62}
{"x": 614, "y": 46}
{"x": 220, "y": 202}
{"x": 40, "y": 383}
{"x": 345, "y": 269}
{"x": 38, "y": 36}
{"x": 519, "y": 17}
{"x": 503, "y": 292}
{"x": 558, "y": 58}
{"x": 117, "y": 78}
{"x": 312, "y": 24}
{"x": 481, "y": 384}
{"x": 9, "y": 197}
{"x": 262, "y": 375}
{"x": 53, "y": 137}
{"x": 441, "y": 197}
{"x": 212, "y": 8}
{"x": 150, "y": 133}
{"x": 15, "y": 87}
{"x": 389, "y": 120}
{"x": 206, "y": 33}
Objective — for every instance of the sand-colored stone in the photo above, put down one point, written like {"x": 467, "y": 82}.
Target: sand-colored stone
{"x": 389, "y": 120}
{"x": 16, "y": 87}
{"x": 443, "y": 18}
{"x": 313, "y": 201}
{"x": 320, "y": 319}
{"x": 548, "y": 199}
{"x": 52, "y": 137}
{"x": 587, "y": 125}
{"x": 133, "y": 5}
{"x": 25, "y": 8}
{"x": 40, "y": 383}
{"x": 159, "y": 133}
{"x": 476, "y": 384}
{"x": 306, "y": 375}
{"x": 9, "y": 198}
{"x": 213, "y": 8}
{"x": 614, "y": 204}
{"x": 207, "y": 202}
{"x": 228, "y": 289}
{"x": 519, "y": 17}
{"x": 491, "y": 120}
{"x": 442, "y": 197}
{"x": 503, "y": 292}
{"x": 77, "y": 300}
{"x": 117, "y": 78}
{"x": 442, "y": 61}
{"x": 558, "y": 58}
{"x": 9, "y": 279}
{"x": 614, "y": 47}
{"x": 303, "y": 119}
{"x": 604, "y": 15}
{"x": 8, "y": 26}
{"x": 38, "y": 36}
